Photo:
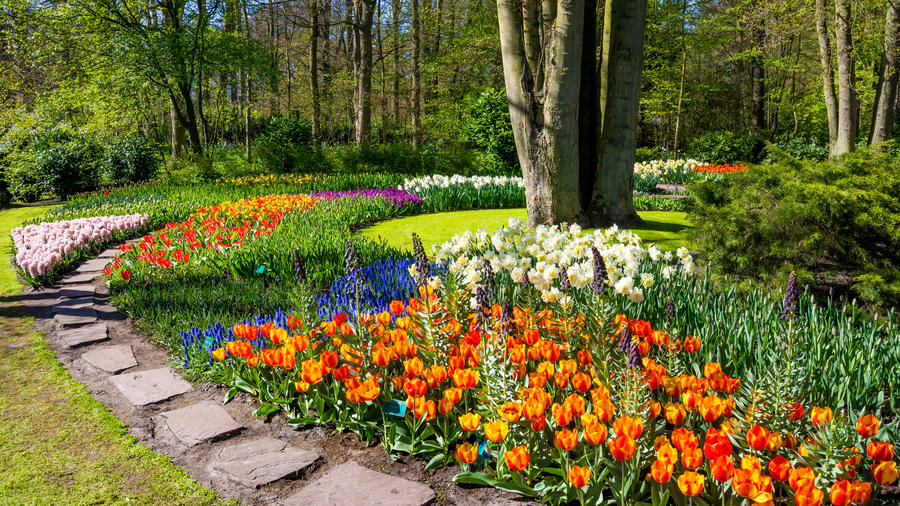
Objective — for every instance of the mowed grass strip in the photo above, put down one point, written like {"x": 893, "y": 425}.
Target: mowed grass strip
{"x": 666, "y": 229}
{"x": 57, "y": 444}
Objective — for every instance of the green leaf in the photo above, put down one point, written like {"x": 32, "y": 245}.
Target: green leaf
{"x": 436, "y": 461}
{"x": 230, "y": 395}
{"x": 302, "y": 421}
{"x": 475, "y": 479}
{"x": 266, "y": 410}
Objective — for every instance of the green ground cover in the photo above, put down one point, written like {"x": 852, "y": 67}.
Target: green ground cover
{"x": 667, "y": 229}
{"x": 85, "y": 454}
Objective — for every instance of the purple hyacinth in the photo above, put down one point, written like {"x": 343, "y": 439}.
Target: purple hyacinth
{"x": 790, "y": 300}
{"x": 634, "y": 357}
{"x": 488, "y": 275}
{"x": 423, "y": 267}
{"x": 564, "y": 283}
{"x": 395, "y": 196}
{"x": 625, "y": 339}
{"x": 482, "y": 299}
{"x": 600, "y": 276}
{"x": 299, "y": 270}
{"x": 670, "y": 309}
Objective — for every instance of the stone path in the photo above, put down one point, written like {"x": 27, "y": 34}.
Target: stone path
{"x": 223, "y": 447}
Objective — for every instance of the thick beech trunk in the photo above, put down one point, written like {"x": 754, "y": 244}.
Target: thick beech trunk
{"x": 395, "y": 34}
{"x": 887, "y": 81}
{"x": 364, "y": 12}
{"x": 827, "y": 74}
{"x": 847, "y": 107}
{"x": 314, "y": 67}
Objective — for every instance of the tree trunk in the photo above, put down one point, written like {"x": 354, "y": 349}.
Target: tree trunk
{"x": 757, "y": 94}
{"x": 887, "y": 81}
{"x": 314, "y": 67}
{"x": 364, "y": 13}
{"x": 613, "y": 199}
{"x": 847, "y": 108}
{"x": 395, "y": 32}
{"x": 417, "y": 75}
{"x": 676, "y": 137}
{"x": 827, "y": 74}
{"x": 177, "y": 132}
{"x": 544, "y": 103}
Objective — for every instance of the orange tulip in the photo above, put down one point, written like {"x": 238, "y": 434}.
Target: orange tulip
{"x": 691, "y": 458}
{"x": 885, "y": 473}
{"x": 469, "y": 421}
{"x": 566, "y": 439}
{"x": 562, "y": 415}
{"x": 758, "y": 437}
{"x": 595, "y": 433}
{"x": 796, "y": 412}
{"x": 396, "y": 307}
{"x": 716, "y": 444}
{"x": 465, "y": 378}
{"x": 880, "y": 450}
{"x": 867, "y": 426}
{"x": 802, "y": 477}
{"x": 780, "y": 468}
{"x": 751, "y": 484}
{"x": 774, "y": 441}
{"x": 312, "y": 371}
{"x": 691, "y": 483}
{"x": 415, "y": 387}
{"x": 860, "y": 492}
{"x": 722, "y": 468}
{"x": 579, "y": 476}
{"x": 840, "y": 493}
{"x": 692, "y": 345}
{"x": 219, "y": 354}
{"x": 661, "y": 471}
{"x": 511, "y": 411}
{"x": 517, "y": 458}
{"x": 711, "y": 408}
{"x": 667, "y": 454}
{"x": 445, "y": 406}
{"x": 628, "y": 426}
{"x": 454, "y": 395}
{"x": 674, "y": 413}
{"x": 466, "y": 453}
{"x": 820, "y": 416}
{"x": 622, "y": 447}
{"x": 581, "y": 382}
{"x": 809, "y": 496}
{"x": 301, "y": 386}
{"x": 496, "y": 431}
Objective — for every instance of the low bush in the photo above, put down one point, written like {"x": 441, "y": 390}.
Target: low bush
{"x": 488, "y": 129}
{"x": 803, "y": 148}
{"x": 836, "y": 223}
{"x": 285, "y": 145}
{"x": 130, "y": 159}
{"x": 725, "y": 146}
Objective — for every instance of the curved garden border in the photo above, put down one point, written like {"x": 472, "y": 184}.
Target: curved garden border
{"x": 224, "y": 448}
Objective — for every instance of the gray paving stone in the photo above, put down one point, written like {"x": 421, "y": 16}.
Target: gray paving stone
{"x": 93, "y": 265}
{"x": 262, "y": 461}
{"x": 197, "y": 423}
{"x": 75, "y": 316}
{"x": 112, "y": 359}
{"x": 110, "y": 253}
{"x": 82, "y": 336}
{"x": 86, "y": 277}
{"x": 75, "y": 291}
{"x": 147, "y": 387}
{"x": 350, "y": 484}
{"x": 68, "y": 304}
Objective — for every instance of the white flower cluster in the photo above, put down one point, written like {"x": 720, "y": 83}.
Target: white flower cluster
{"x": 662, "y": 168}
{"x": 425, "y": 183}
{"x": 40, "y": 247}
{"x": 539, "y": 254}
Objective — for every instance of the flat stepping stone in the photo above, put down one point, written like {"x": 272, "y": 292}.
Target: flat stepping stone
{"x": 75, "y": 317}
{"x": 110, "y": 253}
{"x": 112, "y": 359}
{"x": 63, "y": 305}
{"x": 93, "y": 265}
{"x": 199, "y": 422}
{"x": 83, "y": 336}
{"x": 262, "y": 461}
{"x": 81, "y": 278}
{"x": 75, "y": 291}
{"x": 350, "y": 484}
{"x": 148, "y": 387}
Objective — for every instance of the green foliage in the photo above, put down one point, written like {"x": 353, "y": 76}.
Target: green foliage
{"x": 647, "y": 153}
{"x": 645, "y": 183}
{"x": 803, "y": 147}
{"x": 836, "y": 223}
{"x": 489, "y": 130}
{"x": 130, "y": 159}
{"x": 285, "y": 145}
{"x": 725, "y": 146}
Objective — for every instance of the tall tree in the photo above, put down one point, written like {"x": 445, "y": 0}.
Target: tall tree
{"x": 848, "y": 121}
{"x": 886, "y": 91}
{"x": 314, "y": 66}
{"x": 417, "y": 74}
{"x": 364, "y": 11}
{"x": 576, "y": 161}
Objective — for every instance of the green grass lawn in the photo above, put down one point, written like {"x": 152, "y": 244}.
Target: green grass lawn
{"x": 667, "y": 229}
{"x": 57, "y": 444}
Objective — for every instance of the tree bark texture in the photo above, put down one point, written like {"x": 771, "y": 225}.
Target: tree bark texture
{"x": 827, "y": 74}
{"x": 364, "y": 12}
{"x": 417, "y": 74}
{"x": 314, "y": 67}
{"x": 847, "y": 107}
{"x": 887, "y": 81}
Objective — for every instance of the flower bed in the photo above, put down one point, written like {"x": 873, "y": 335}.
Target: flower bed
{"x": 209, "y": 231}
{"x": 396, "y": 197}
{"x": 42, "y": 249}
{"x": 442, "y": 193}
{"x": 554, "y": 402}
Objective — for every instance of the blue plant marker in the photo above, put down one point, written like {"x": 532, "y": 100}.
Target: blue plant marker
{"x": 208, "y": 342}
{"x": 261, "y": 269}
{"x": 394, "y": 407}
{"x": 484, "y": 453}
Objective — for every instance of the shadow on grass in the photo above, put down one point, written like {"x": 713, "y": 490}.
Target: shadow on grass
{"x": 661, "y": 226}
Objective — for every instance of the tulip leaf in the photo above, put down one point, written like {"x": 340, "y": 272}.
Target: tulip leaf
{"x": 436, "y": 461}
{"x": 230, "y": 395}
{"x": 475, "y": 479}
{"x": 266, "y": 410}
